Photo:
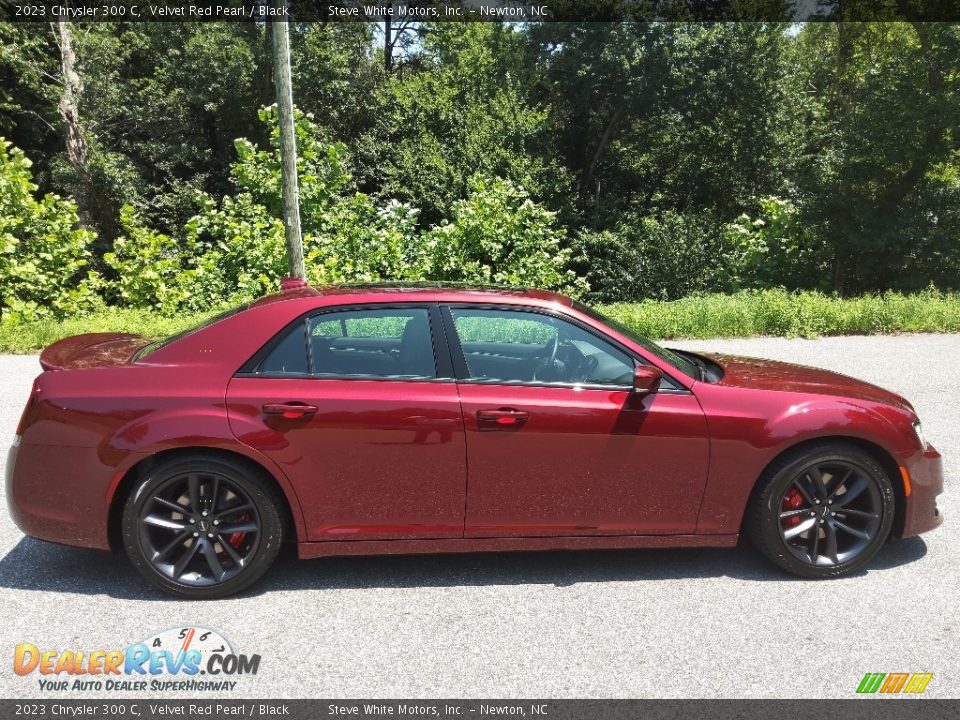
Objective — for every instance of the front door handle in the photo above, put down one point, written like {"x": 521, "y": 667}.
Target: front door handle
{"x": 290, "y": 410}
{"x": 501, "y": 418}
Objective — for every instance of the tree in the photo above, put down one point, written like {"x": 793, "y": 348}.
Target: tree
{"x": 655, "y": 117}
{"x": 874, "y": 108}
{"x": 466, "y": 110}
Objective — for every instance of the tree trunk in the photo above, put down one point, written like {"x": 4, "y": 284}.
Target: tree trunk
{"x": 387, "y": 43}
{"x": 601, "y": 146}
{"x": 76, "y": 143}
{"x": 838, "y": 281}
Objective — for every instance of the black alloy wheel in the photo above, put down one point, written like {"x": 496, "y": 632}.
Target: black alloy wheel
{"x": 822, "y": 511}
{"x": 204, "y": 527}
{"x": 830, "y": 513}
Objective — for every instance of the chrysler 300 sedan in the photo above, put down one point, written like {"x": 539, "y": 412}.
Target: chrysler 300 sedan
{"x": 423, "y": 419}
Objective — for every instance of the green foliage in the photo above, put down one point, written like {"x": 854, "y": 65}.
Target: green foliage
{"x": 146, "y": 264}
{"x": 672, "y": 158}
{"x": 235, "y": 252}
{"x": 237, "y": 248}
{"x": 499, "y": 235}
{"x": 467, "y": 111}
{"x": 360, "y": 242}
{"x": 872, "y": 111}
{"x": 43, "y": 256}
{"x": 773, "y": 248}
{"x": 664, "y": 257}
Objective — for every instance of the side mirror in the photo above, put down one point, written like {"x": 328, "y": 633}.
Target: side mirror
{"x": 646, "y": 379}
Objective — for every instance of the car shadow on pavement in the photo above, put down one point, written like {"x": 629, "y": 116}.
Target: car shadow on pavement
{"x": 35, "y": 565}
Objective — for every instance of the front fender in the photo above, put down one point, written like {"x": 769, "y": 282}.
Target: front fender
{"x": 748, "y": 433}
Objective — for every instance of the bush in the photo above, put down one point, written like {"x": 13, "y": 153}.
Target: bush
{"x": 44, "y": 256}
{"x": 499, "y": 235}
{"x": 237, "y": 247}
{"x": 360, "y": 242}
{"x": 234, "y": 252}
{"x": 147, "y": 266}
{"x": 666, "y": 256}
{"x": 775, "y": 248}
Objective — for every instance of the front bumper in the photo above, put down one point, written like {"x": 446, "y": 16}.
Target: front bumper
{"x": 921, "y": 513}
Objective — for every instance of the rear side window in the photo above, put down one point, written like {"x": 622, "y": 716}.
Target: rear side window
{"x": 382, "y": 343}
{"x": 290, "y": 355}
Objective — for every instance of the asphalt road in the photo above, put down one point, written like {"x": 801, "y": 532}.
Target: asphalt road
{"x": 674, "y": 623}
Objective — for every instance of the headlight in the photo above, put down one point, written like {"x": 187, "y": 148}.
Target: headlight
{"x": 918, "y": 429}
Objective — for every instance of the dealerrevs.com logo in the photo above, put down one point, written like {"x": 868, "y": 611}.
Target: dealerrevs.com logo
{"x": 894, "y": 683}
{"x": 183, "y": 659}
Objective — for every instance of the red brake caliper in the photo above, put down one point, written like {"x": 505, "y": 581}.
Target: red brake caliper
{"x": 236, "y": 538}
{"x": 793, "y": 500}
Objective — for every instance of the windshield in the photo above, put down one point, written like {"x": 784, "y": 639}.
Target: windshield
{"x": 163, "y": 342}
{"x": 679, "y": 362}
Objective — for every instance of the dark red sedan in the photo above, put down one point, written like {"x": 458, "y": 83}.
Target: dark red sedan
{"x": 375, "y": 419}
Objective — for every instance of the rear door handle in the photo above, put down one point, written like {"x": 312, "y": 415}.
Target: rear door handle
{"x": 501, "y": 418}
{"x": 290, "y": 410}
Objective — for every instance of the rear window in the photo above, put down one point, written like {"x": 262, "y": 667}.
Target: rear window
{"x": 163, "y": 342}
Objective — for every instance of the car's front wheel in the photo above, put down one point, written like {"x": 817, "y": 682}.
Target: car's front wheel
{"x": 202, "y": 527}
{"x": 822, "y": 511}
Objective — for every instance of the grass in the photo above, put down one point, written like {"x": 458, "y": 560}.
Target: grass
{"x": 745, "y": 314}
{"x": 780, "y": 313}
{"x": 28, "y": 337}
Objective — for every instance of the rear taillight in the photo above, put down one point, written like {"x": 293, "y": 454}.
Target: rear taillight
{"x": 31, "y": 401}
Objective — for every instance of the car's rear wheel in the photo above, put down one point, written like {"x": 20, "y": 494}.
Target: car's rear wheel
{"x": 202, "y": 527}
{"x": 822, "y": 511}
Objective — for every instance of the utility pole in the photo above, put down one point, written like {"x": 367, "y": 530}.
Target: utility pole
{"x": 288, "y": 146}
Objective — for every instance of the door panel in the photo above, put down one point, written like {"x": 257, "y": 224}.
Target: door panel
{"x": 557, "y": 444}
{"x": 578, "y": 461}
{"x": 378, "y": 460}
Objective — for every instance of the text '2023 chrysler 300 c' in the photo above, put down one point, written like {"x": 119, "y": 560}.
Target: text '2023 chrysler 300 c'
{"x": 358, "y": 420}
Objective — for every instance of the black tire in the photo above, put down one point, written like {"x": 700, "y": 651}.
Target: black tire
{"x": 229, "y": 517}
{"x": 798, "y": 517}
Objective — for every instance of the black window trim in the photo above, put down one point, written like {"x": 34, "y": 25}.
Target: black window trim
{"x": 441, "y": 351}
{"x": 463, "y": 373}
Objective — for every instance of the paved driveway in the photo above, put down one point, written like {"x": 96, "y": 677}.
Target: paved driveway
{"x": 675, "y": 623}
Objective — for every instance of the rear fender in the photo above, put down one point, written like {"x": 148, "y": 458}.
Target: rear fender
{"x": 160, "y": 433}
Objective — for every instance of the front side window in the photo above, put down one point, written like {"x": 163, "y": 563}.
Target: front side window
{"x": 518, "y": 346}
{"x": 679, "y": 362}
{"x": 387, "y": 343}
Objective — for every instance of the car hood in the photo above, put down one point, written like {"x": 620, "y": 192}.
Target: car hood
{"x": 91, "y": 350}
{"x": 762, "y": 374}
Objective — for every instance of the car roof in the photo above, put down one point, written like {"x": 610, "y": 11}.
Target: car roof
{"x": 445, "y": 291}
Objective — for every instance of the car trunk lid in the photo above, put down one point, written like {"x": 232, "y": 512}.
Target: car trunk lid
{"x": 91, "y": 350}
